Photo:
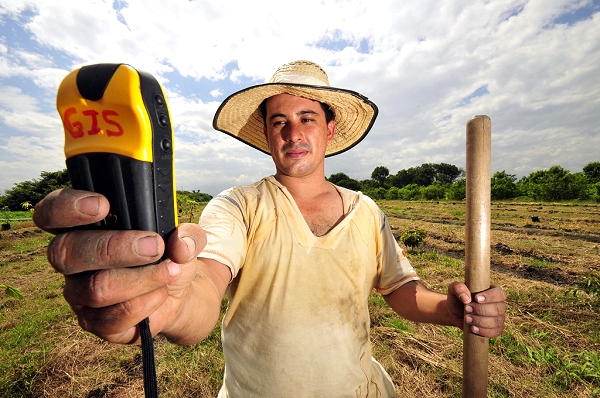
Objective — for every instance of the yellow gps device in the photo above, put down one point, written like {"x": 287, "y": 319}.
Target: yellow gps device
{"x": 119, "y": 142}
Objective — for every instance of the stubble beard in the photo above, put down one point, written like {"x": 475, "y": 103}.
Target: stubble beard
{"x": 296, "y": 167}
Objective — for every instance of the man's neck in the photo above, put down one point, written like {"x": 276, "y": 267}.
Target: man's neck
{"x": 319, "y": 202}
{"x": 304, "y": 187}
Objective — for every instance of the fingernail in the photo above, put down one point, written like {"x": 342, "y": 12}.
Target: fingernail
{"x": 191, "y": 246}
{"x": 474, "y": 329}
{"x": 89, "y": 205}
{"x": 468, "y": 309}
{"x": 468, "y": 319}
{"x": 480, "y": 299}
{"x": 146, "y": 246}
{"x": 174, "y": 269}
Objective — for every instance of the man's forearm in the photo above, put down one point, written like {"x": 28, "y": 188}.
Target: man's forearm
{"x": 415, "y": 302}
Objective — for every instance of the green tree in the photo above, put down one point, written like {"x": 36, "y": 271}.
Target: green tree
{"x": 33, "y": 191}
{"x": 335, "y": 178}
{"x": 594, "y": 191}
{"x": 410, "y": 192}
{"x": 380, "y": 174}
{"x": 581, "y": 186}
{"x": 343, "y": 180}
{"x": 446, "y": 173}
{"x": 423, "y": 175}
{"x": 367, "y": 184}
{"x": 426, "y": 174}
{"x": 503, "y": 185}
{"x": 554, "y": 184}
{"x": 350, "y": 184}
{"x": 457, "y": 190}
{"x": 393, "y": 193}
{"x": 592, "y": 172}
{"x": 400, "y": 179}
{"x": 435, "y": 191}
{"x": 376, "y": 193}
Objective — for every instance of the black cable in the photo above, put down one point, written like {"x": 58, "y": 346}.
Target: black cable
{"x": 149, "y": 368}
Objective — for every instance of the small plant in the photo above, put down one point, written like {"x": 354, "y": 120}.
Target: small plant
{"x": 11, "y": 291}
{"x": 413, "y": 237}
{"x": 5, "y": 216}
{"x": 590, "y": 284}
{"x": 27, "y": 206}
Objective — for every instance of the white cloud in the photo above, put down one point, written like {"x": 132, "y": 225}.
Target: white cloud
{"x": 418, "y": 60}
{"x": 13, "y": 99}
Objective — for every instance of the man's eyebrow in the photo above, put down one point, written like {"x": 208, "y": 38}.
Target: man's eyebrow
{"x": 299, "y": 113}
{"x": 308, "y": 112}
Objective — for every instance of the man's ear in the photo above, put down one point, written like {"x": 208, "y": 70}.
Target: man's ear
{"x": 330, "y": 130}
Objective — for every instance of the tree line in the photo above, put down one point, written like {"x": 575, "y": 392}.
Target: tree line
{"x": 439, "y": 181}
{"x": 33, "y": 191}
{"x": 429, "y": 181}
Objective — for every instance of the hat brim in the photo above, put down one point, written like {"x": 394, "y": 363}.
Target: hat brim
{"x": 239, "y": 117}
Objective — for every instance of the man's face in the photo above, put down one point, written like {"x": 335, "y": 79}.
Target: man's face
{"x": 298, "y": 134}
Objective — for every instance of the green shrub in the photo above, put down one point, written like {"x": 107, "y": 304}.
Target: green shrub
{"x": 413, "y": 237}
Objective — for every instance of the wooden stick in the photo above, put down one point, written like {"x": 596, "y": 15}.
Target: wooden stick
{"x": 477, "y": 248}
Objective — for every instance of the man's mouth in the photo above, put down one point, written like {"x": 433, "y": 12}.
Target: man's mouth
{"x": 296, "y": 151}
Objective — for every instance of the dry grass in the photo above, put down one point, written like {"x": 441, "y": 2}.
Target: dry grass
{"x": 549, "y": 344}
{"x": 536, "y": 263}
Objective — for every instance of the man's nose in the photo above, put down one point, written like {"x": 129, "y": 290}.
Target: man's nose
{"x": 292, "y": 132}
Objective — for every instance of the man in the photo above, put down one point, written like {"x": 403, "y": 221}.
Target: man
{"x": 297, "y": 256}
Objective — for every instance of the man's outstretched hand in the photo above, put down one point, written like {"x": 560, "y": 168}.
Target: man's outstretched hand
{"x": 108, "y": 281}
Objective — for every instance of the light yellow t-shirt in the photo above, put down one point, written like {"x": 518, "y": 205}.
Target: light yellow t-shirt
{"x": 297, "y": 323}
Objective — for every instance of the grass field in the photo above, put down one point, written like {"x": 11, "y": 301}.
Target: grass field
{"x": 551, "y": 347}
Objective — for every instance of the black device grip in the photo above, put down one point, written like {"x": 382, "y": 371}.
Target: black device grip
{"x": 125, "y": 182}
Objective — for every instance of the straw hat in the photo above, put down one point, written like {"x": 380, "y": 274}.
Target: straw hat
{"x": 239, "y": 116}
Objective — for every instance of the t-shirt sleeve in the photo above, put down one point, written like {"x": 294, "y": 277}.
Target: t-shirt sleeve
{"x": 225, "y": 226}
{"x": 396, "y": 269}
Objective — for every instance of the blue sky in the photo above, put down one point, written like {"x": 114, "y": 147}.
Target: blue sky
{"x": 533, "y": 66}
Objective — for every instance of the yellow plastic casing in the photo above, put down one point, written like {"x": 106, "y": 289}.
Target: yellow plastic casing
{"x": 116, "y": 123}
{"x": 119, "y": 123}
